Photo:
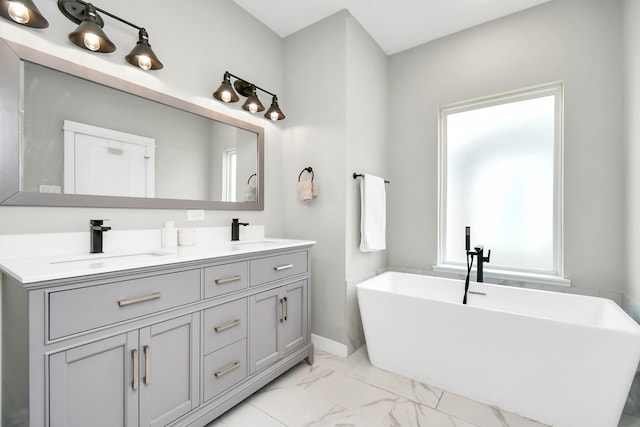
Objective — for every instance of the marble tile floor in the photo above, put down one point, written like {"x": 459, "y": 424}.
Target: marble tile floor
{"x": 351, "y": 392}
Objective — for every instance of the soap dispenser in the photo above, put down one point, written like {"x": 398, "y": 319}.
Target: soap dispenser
{"x": 169, "y": 235}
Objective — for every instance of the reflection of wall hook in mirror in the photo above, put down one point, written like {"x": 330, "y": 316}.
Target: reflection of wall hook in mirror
{"x": 249, "y": 180}
{"x": 307, "y": 189}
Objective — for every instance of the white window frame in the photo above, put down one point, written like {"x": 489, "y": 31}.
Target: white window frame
{"x": 552, "y": 277}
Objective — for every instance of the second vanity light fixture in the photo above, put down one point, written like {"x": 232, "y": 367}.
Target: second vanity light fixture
{"x": 226, "y": 93}
{"x": 89, "y": 34}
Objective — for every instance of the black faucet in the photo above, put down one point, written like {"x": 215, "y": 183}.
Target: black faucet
{"x": 235, "y": 229}
{"x": 479, "y": 253}
{"x": 96, "y": 229}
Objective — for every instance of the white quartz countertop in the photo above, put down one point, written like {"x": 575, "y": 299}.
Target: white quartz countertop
{"x": 44, "y": 267}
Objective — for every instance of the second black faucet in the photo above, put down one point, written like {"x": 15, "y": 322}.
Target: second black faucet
{"x": 235, "y": 229}
{"x": 96, "y": 228}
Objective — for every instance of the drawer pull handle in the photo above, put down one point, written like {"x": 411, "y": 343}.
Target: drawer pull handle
{"x": 134, "y": 356}
{"x": 228, "y": 279}
{"x": 227, "y": 326}
{"x": 224, "y": 372}
{"x": 124, "y": 302}
{"x": 283, "y": 267}
{"x": 147, "y": 365}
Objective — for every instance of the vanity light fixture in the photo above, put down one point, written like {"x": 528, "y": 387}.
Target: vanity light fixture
{"x": 89, "y": 34}
{"x": 226, "y": 93}
{"x": 23, "y": 12}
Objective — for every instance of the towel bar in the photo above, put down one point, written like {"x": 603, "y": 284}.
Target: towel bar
{"x": 358, "y": 175}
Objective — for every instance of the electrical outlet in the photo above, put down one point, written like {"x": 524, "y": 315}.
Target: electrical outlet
{"x": 195, "y": 215}
{"x": 50, "y": 188}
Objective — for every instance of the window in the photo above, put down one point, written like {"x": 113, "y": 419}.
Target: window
{"x": 501, "y": 174}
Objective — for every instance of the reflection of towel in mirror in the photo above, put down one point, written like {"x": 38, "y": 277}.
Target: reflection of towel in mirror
{"x": 373, "y": 214}
{"x": 251, "y": 192}
{"x": 307, "y": 190}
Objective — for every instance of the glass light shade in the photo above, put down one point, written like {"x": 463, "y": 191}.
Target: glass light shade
{"x": 225, "y": 92}
{"x": 23, "y": 12}
{"x": 89, "y": 34}
{"x": 142, "y": 55}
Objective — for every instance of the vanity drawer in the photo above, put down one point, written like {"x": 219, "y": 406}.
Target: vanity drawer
{"x": 82, "y": 309}
{"x": 224, "y": 324}
{"x": 226, "y": 278}
{"x": 225, "y": 368}
{"x": 278, "y": 267}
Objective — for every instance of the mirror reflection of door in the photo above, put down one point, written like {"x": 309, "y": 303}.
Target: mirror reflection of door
{"x": 105, "y": 162}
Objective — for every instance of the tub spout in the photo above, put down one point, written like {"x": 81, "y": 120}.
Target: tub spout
{"x": 479, "y": 253}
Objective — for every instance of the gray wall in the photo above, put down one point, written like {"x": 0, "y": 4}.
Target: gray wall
{"x": 336, "y": 82}
{"x": 577, "y": 41}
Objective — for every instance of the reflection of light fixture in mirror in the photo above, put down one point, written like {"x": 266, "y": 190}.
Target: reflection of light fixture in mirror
{"x": 23, "y": 12}
{"x": 226, "y": 93}
{"x": 89, "y": 34}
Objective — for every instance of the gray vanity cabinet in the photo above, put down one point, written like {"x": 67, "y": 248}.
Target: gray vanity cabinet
{"x": 147, "y": 377}
{"x": 171, "y": 345}
{"x": 278, "y": 323}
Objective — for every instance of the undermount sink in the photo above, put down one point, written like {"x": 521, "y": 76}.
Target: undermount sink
{"x": 111, "y": 257}
{"x": 254, "y": 244}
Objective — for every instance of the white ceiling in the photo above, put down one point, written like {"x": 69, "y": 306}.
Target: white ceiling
{"x": 396, "y": 25}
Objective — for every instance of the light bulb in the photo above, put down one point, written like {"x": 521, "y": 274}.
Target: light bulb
{"x": 253, "y": 108}
{"x": 91, "y": 41}
{"x": 144, "y": 62}
{"x": 18, "y": 12}
{"x": 226, "y": 96}
{"x": 274, "y": 116}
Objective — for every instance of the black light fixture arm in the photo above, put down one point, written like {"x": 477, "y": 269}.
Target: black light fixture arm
{"x": 124, "y": 21}
{"x": 228, "y": 74}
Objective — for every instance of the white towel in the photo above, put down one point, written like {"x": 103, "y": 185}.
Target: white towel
{"x": 251, "y": 192}
{"x": 373, "y": 214}
{"x": 307, "y": 190}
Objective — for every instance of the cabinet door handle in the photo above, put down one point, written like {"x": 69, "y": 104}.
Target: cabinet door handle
{"x": 227, "y": 370}
{"x": 147, "y": 365}
{"x": 286, "y": 308}
{"x": 149, "y": 297}
{"x": 134, "y": 356}
{"x": 228, "y": 279}
{"x": 282, "y": 304}
{"x": 227, "y": 326}
{"x": 283, "y": 267}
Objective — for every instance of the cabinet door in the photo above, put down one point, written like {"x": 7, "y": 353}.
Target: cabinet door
{"x": 293, "y": 329}
{"x": 169, "y": 370}
{"x": 93, "y": 384}
{"x": 265, "y": 312}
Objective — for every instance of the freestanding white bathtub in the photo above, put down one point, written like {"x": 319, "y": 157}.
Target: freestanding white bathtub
{"x": 560, "y": 359}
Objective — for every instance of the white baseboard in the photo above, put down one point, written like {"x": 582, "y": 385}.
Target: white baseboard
{"x": 329, "y": 346}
